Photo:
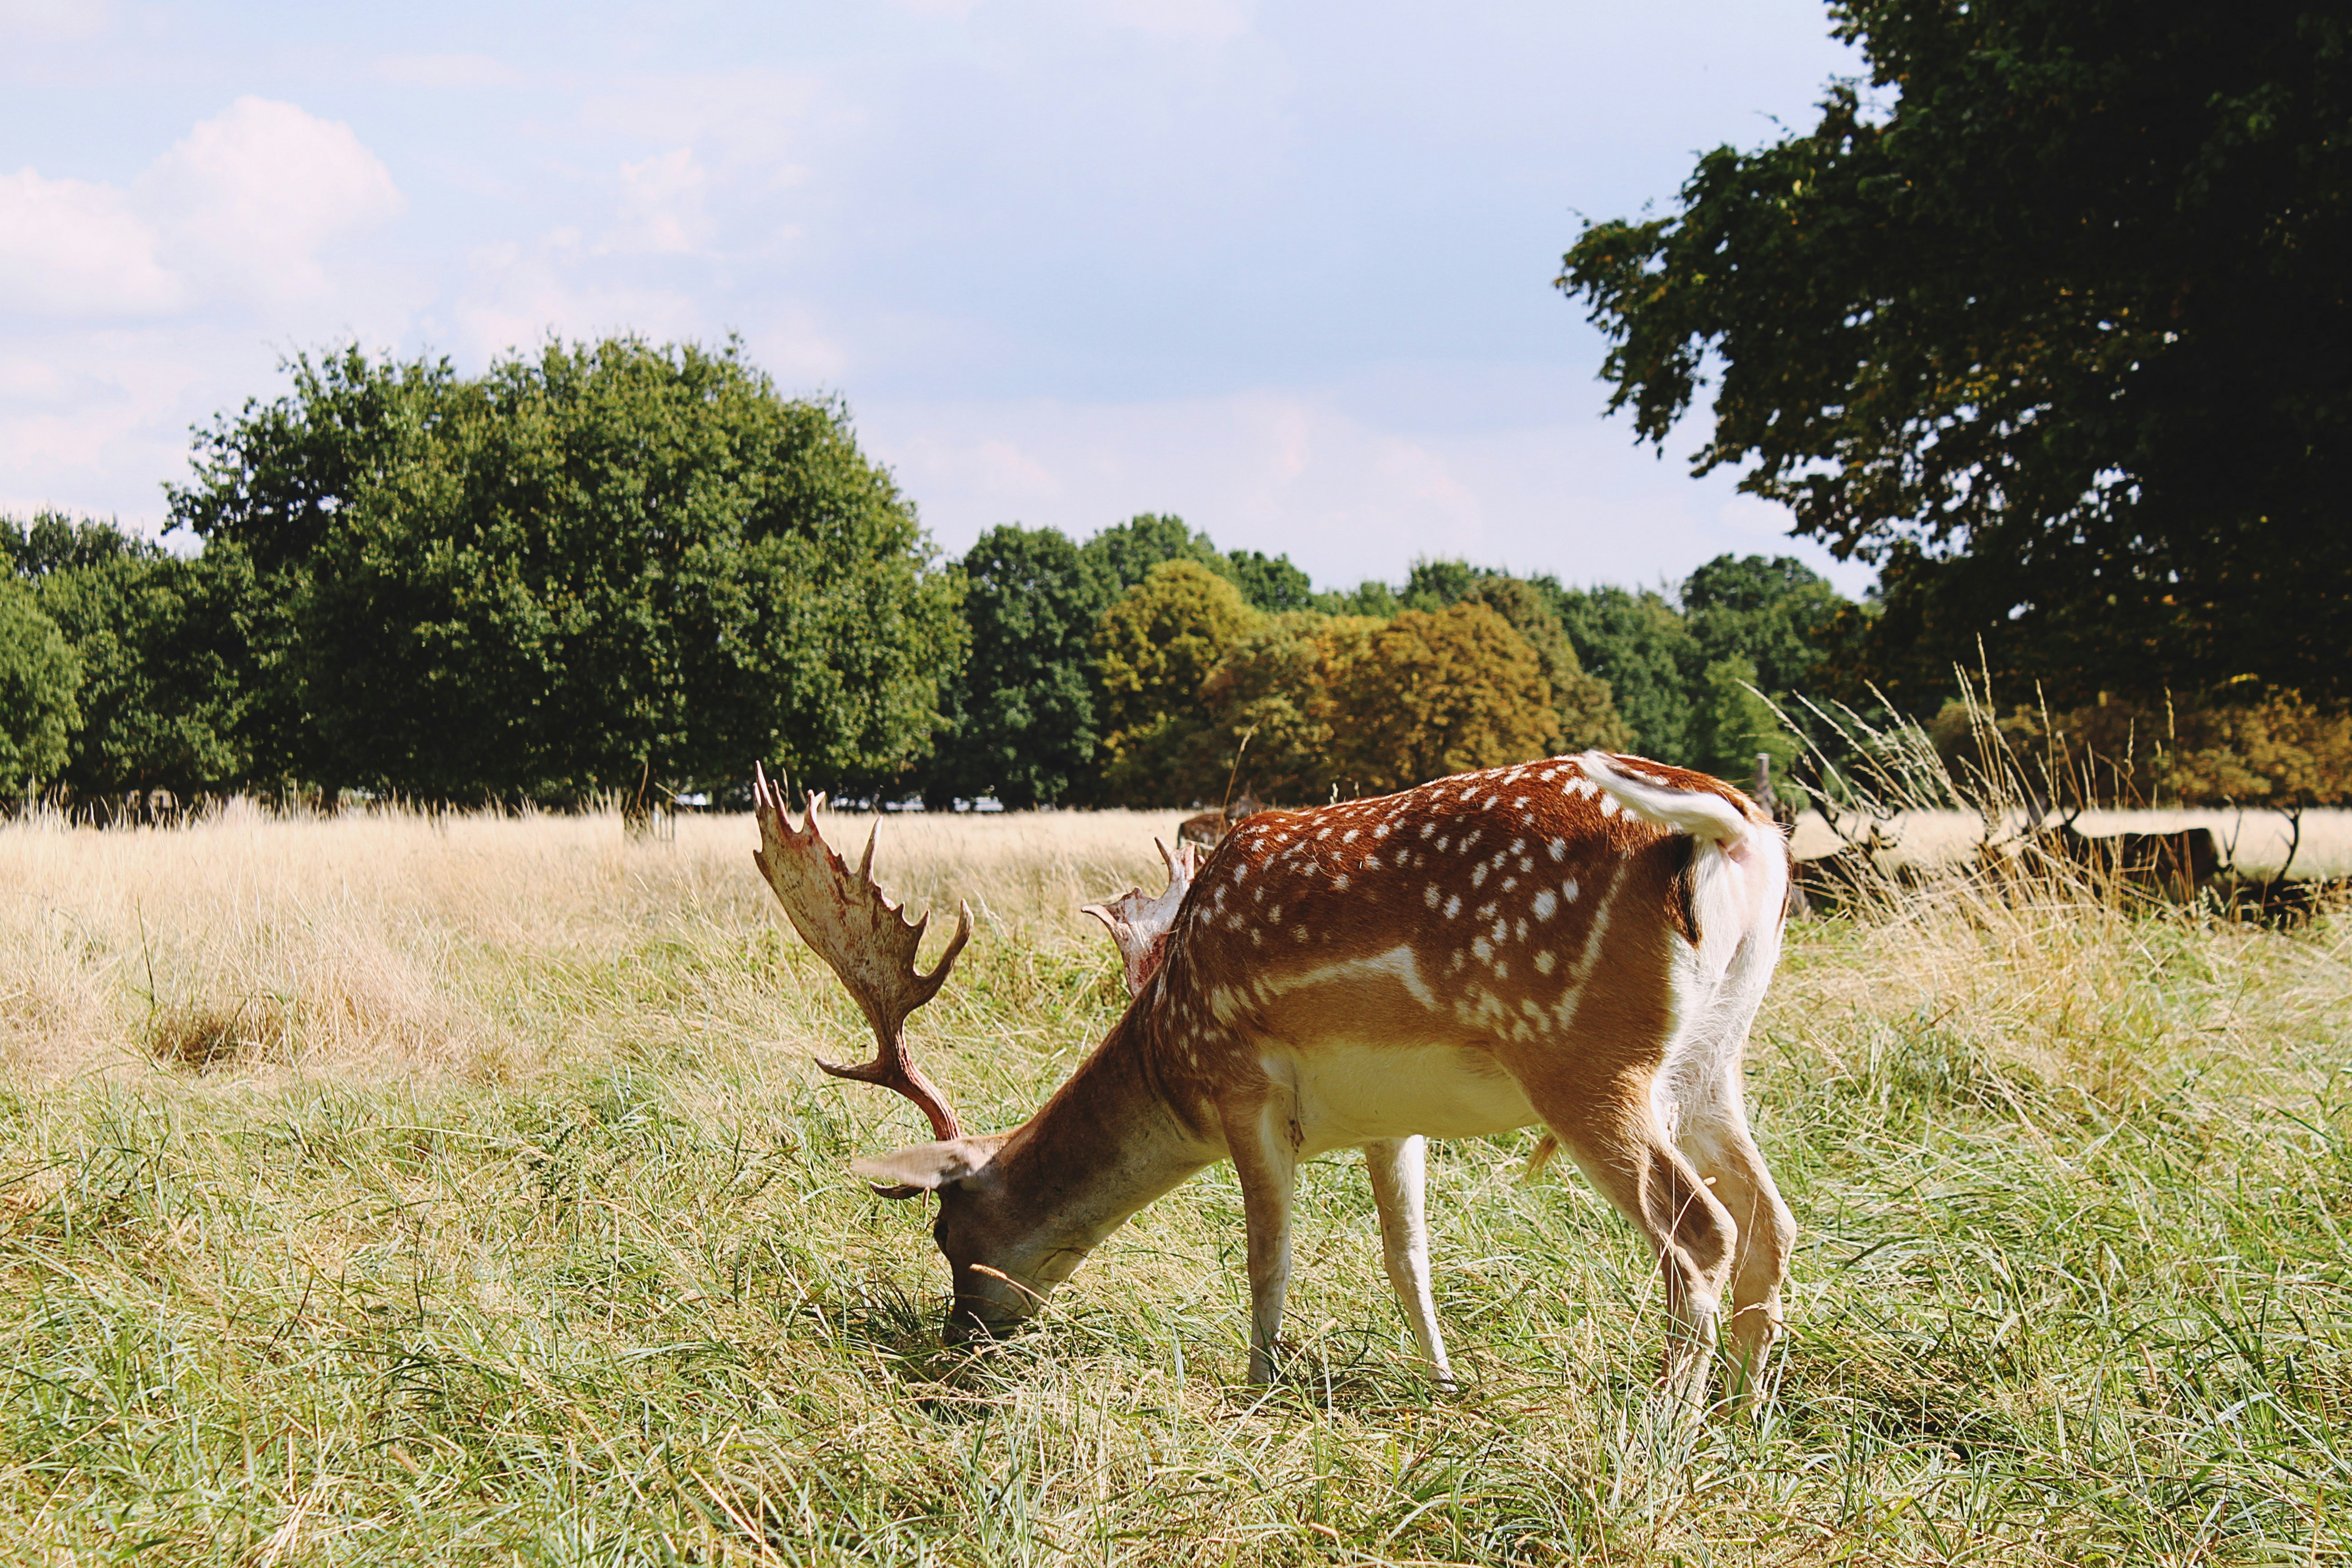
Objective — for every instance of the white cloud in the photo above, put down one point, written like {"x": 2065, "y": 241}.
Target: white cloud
{"x": 72, "y": 248}
{"x": 241, "y": 208}
{"x": 248, "y": 199}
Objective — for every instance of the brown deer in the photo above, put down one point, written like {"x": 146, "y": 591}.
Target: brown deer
{"x": 1581, "y": 942}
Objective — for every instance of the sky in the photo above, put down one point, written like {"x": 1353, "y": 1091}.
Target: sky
{"x": 1285, "y": 270}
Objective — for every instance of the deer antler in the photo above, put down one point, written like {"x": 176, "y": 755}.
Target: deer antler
{"x": 1140, "y": 925}
{"x": 856, "y": 927}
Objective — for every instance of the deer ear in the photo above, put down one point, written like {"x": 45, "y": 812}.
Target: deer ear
{"x": 925, "y": 1167}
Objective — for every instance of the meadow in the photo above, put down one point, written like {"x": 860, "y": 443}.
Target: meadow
{"x": 459, "y": 1190}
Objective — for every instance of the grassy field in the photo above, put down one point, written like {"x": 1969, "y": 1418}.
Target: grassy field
{"x": 459, "y": 1191}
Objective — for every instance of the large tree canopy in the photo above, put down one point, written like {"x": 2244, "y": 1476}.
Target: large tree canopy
{"x": 1021, "y": 721}
{"x": 583, "y": 569}
{"x": 2060, "y": 334}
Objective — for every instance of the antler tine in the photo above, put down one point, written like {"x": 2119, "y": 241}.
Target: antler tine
{"x": 862, "y": 935}
{"x": 1139, "y": 926}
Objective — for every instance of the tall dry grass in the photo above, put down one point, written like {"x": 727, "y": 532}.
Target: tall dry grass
{"x": 473, "y": 944}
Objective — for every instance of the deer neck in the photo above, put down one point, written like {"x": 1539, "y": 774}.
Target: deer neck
{"x": 1107, "y": 1143}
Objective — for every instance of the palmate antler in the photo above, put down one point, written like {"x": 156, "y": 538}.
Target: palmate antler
{"x": 1139, "y": 925}
{"x": 856, "y": 927}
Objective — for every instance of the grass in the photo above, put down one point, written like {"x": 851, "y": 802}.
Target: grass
{"x": 459, "y": 1191}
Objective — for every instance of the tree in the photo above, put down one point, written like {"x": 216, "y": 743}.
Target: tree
{"x": 1270, "y": 585}
{"x": 1735, "y": 725}
{"x": 1122, "y": 556}
{"x": 1272, "y": 708}
{"x": 604, "y": 564}
{"x": 38, "y": 676}
{"x": 1152, "y": 650}
{"x": 1639, "y": 644}
{"x": 1771, "y": 613}
{"x": 1587, "y": 708}
{"x": 1435, "y": 693}
{"x": 1021, "y": 721}
{"x": 156, "y": 640}
{"x": 2057, "y": 333}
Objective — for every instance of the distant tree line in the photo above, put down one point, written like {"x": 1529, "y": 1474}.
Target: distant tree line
{"x": 616, "y": 570}
{"x": 1145, "y": 666}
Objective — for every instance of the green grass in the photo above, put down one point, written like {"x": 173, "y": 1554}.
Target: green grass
{"x": 2076, "y": 1193}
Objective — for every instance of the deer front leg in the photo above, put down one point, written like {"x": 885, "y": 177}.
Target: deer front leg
{"x": 1264, "y": 1142}
{"x": 1398, "y": 1167}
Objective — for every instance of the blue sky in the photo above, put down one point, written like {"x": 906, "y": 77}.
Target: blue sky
{"x": 1283, "y": 268}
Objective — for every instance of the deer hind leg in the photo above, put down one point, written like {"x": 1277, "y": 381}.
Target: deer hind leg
{"x": 1615, "y": 1139}
{"x": 1398, "y": 1167}
{"x": 1262, "y": 1138}
{"x": 1714, "y": 1137}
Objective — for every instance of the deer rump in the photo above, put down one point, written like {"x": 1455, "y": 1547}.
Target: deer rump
{"x": 1581, "y": 943}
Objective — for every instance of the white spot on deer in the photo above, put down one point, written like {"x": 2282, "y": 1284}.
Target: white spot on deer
{"x": 1545, "y": 962}
{"x": 1349, "y": 836}
{"x": 1545, "y": 904}
{"x": 1478, "y": 875}
{"x": 1523, "y": 927}
{"x": 1526, "y": 862}
{"x": 1441, "y": 843}
{"x": 1274, "y": 915}
{"x": 1516, "y": 844}
{"x": 1502, "y": 931}
{"x": 1608, "y": 805}
{"x": 1299, "y": 934}
{"x": 1568, "y": 891}
{"x": 1241, "y": 871}
{"x": 1475, "y": 834}
{"x": 1382, "y": 831}
{"x": 1371, "y": 862}
{"x": 1509, "y": 882}
{"x": 1325, "y": 834}
{"x": 1483, "y": 949}
{"x": 1453, "y": 906}
{"x": 1340, "y": 882}
{"x": 1430, "y": 895}
{"x": 1427, "y": 828}
{"x": 1502, "y": 970}
{"x": 1257, "y": 937}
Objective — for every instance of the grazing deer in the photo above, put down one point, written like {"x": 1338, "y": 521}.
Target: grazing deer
{"x": 1581, "y": 943}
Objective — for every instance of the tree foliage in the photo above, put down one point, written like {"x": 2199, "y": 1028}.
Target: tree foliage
{"x": 1273, "y": 707}
{"x": 1438, "y": 692}
{"x": 1152, "y": 650}
{"x": 158, "y": 643}
{"x": 1735, "y": 723}
{"x": 1639, "y": 644}
{"x": 39, "y": 678}
{"x": 2059, "y": 335}
{"x": 606, "y": 563}
{"x": 1021, "y": 721}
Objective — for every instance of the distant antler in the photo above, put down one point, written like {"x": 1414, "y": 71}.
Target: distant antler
{"x": 856, "y": 927}
{"x": 1140, "y": 925}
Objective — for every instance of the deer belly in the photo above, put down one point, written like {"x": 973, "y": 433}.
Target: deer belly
{"x": 1349, "y": 1094}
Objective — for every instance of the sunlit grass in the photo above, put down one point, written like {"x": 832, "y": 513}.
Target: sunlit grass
{"x": 387, "y": 1190}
